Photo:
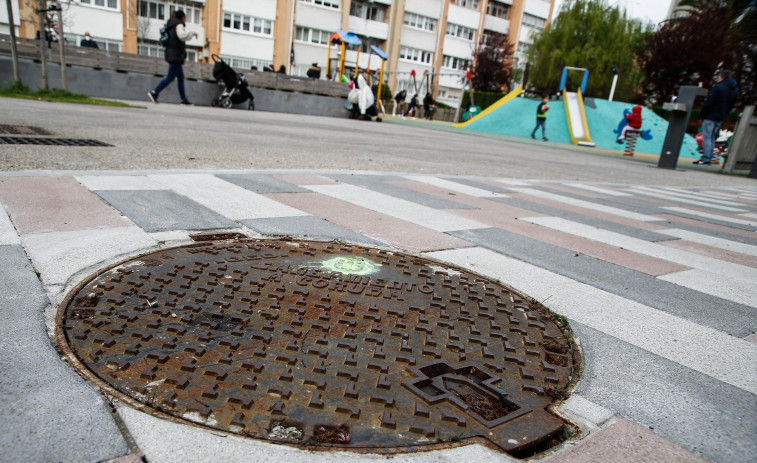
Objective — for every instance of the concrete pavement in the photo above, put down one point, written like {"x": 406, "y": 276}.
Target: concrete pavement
{"x": 656, "y": 274}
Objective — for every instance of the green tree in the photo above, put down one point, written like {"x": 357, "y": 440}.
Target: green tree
{"x": 589, "y": 34}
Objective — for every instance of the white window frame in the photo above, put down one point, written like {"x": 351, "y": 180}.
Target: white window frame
{"x": 247, "y": 24}
{"x": 420, "y": 22}
{"x": 324, "y": 3}
{"x": 159, "y": 9}
{"x": 462, "y": 32}
{"x": 470, "y": 4}
{"x": 452, "y": 62}
{"x": 533, "y": 21}
{"x": 368, "y": 11}
{"x": 497, "y": 9}
{"x": 416, "y": 55}
{"x": 312, "y": 36}
{"x": 106, "y": 4}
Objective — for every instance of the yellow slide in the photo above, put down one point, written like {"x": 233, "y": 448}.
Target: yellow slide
{"x": 576, "y": 115}
{"x": 515, "y": 93}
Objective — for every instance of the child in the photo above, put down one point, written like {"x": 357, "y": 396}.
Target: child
{"x": 541, "y": 118}
{"x": 634, "y": 122}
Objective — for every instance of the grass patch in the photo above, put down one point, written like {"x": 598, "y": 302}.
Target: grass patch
{"x": 19, "y": 90}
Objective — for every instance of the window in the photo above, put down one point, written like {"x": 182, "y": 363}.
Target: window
{"x": 306, "y": 34}
{"x": 369, "y": 11}
{"x": 497, "y": 9}
{"x": 460, "y": 31}
{"x": 245, "y": 63}
{"x": 533, "y": 21}
{"x": 112, "y": 4}
{"x": 523, "y": 47}
{"x": 151, "y": 9}
{"x": 413, "y": 54}
{"x": 455, "y": 63}
{"x": 420, "y": 22}
{"x": 194, "y": 14}
{"x": 327, "y": 3}
{"x": 472, "y": 4}
{"x": 243, "y": 23}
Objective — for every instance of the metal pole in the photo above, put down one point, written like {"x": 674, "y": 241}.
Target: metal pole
{"x": 41, "y": 10}
{"x": 62, "y": 48}
{"x": 381, "y": 81}
{"x": 612, "y": 89}
{"x": 14, "y": 51}
{"x": 357, "y": 61}
{"x": 341, "y": 61}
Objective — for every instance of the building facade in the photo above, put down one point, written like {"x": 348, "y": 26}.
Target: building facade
{"x": 430, "y": 43}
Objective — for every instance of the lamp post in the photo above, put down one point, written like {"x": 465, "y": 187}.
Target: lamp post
{"x": 14, "y": 51}
{"x": 61, "y": 45}
{"x": 42, "y": 36}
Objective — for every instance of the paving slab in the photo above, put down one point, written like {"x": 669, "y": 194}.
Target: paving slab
{"x": 49, "y": 412}
{"x": 43, "y": 204}
{"x": 8, "y": 233}
{"x": 261, "y": 183}
{"x": 164, "y": 210}
{"x": 679, "y": 404}
{"x": 119, "y": 182}
{"x": 704, "y": 309}
{"x": 627, "y": 442}
{"x": 381, "y": 227}
{"x": 58, "y": 256}
{"x": 307, "y": 227}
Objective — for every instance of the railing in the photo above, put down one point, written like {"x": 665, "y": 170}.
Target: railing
{"x": 127, "y": 62}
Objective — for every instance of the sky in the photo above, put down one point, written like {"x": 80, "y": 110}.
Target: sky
{"x": 646, "y": 10}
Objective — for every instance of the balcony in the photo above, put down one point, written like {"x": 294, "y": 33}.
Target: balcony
{"x": 368, "y": 28}
{"x": 495, "y": 24}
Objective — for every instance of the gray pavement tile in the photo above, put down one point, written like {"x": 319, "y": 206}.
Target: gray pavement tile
{"x": 380, "y": 185}
{"x": 49, "y": 413}
{"x": 261, "y": 183}
{"x": 587, "y": 220}
{"x": 709, "y": 232}
{"x": 704, "y": 309}
{"x": 162, "y": 210}
{"x": 699, "y": 413}
{"x": 475, "y": 184}
{"x": 708, "y": 220}
{"x": 307, "y": 227}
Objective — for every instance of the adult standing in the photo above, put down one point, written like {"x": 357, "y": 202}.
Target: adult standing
{"x": 176, "y": 54}
{"x": 399, "y": 102}
{"x": 87, "y": 42}
{"x": 719, "y": 102}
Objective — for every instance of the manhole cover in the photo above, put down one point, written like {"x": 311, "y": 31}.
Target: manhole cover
{"x": 23, "y": 130}
{"x": 50, "y": 141}
{"x": 322, "y": 344}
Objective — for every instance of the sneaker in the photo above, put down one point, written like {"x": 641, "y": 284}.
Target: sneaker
{"x": 701, "y": 163}
{"x": 532, "y": 136}
{"x": 619, "y": 141}
{"x": 186, "y": 102}
{"x": 152, "y": 96}
{"x": 545, "y": 139}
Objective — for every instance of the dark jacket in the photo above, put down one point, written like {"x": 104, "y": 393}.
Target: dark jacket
{"x": 176, "y": 50}
{"x": 88, "y": 43}
{"x": 720, "y": 100}
{"x": 541, "y": 110}
{"x": 634, "y": 119}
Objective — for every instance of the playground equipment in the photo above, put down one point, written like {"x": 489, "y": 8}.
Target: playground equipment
{"x": 343, "y": 38}
{"x": 574, "y": 108}
{"x": 514, "y": 94}
{"x": 384, "y": 56}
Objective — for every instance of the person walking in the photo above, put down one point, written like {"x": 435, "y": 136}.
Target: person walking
{"x": 541, "y": 118}
{"x": 428, "y": 106}
{"x": 719, "y": 102}
{"x": 176, "y": 54}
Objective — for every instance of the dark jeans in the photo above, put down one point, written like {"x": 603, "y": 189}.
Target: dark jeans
{"x": 174, "y": 71}
{"x": 540, "y": 122}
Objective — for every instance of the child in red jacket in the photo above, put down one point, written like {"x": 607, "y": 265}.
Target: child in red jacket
{"x": 634, "y": 122}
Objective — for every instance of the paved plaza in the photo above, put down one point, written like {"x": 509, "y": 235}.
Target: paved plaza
{"x": 654, "y": 269}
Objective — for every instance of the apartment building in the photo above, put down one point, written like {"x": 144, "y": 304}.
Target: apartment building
{"x": 430, "y": 43}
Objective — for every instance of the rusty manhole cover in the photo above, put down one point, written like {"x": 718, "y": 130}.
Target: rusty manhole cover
{"x": 322, "y": 344}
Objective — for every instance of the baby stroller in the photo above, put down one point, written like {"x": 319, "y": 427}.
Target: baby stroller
{"x": 235, "y": 89}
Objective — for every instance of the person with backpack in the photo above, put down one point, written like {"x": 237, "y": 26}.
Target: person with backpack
{"x": 720, "y": 100}
{"x": 176, "y": 54}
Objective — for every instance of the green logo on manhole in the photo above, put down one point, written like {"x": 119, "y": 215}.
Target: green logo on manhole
{"x": 351, "y": 265}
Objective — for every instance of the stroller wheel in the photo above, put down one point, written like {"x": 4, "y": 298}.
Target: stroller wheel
{"x": 251, "y": 106}
{"x": 226, "y": 103}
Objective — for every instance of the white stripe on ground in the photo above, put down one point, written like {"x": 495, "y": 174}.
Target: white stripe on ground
{"x": 596, "y": 189}
{"x": 750, "y": 223}
{"x": 225, "y": 198}
{"x": 719, "y": 194}
{"x": 749, "y": 215}
{"x": 712, "y": 352}
{"x": 680, "y": 192}
{"x": 119, "y": 182}
{"x": 588, "y": 205}
{"x": 454, "y": 186}
{"x": 711, "y": 241}
{"x": 512, "y": 182}
{"x": 679, "y": 199}
{"x": 727, "y": 275}
{"x": 8, "y": 233}
{"x": 398, "y": 208}
{"x": 728, "y": 287}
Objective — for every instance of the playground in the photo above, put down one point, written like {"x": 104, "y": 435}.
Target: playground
{"x": 591, "y": 122}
